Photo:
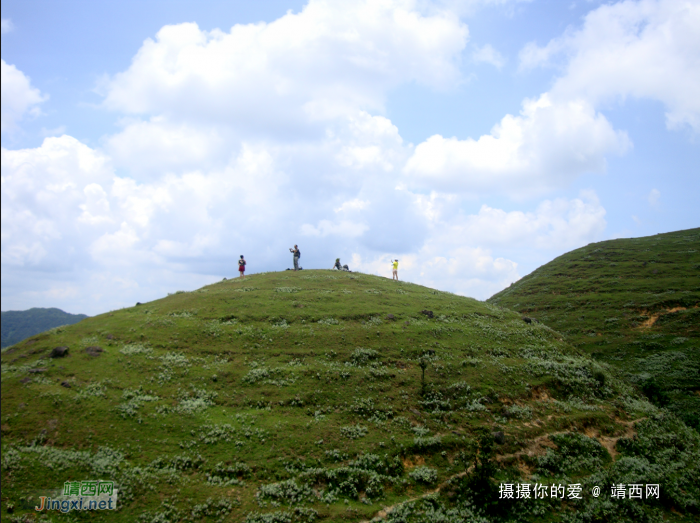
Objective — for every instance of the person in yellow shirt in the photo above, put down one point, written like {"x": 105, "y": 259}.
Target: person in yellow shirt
{"x": 395, "y": 270}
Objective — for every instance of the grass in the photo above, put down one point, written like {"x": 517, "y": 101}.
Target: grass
{"x": 300, "y": 397}
{"x": 632, "y": 303}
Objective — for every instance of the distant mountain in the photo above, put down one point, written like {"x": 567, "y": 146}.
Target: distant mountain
{"x": 632, "y": 303}
{"x": 18, "y": 325}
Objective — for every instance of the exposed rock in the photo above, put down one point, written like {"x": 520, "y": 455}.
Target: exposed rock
{"x": 36, "y": 371}
{"x": 94, "y": 350}
{"x": 59, "y": 352}
{"x": 390, "y": 317}
{"x": 26, "y": 380}
{"x": 110, "y": 336}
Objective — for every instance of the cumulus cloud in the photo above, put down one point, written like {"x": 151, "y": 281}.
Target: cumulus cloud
{"x": 487, "y": 54}
{"x": 352, "y": 205}
{"x": 7, "y": 25}
{"x": 64, "y": 209}
{"x": 473, "y": 254}
{"x": 43, "y": 190}
{"x": 270, "y": 134}
{"x": 344, "y": 228}
{"x": 151, "y": 147}
{"x": 653, "y": 197}
{"x": 475, "y": 271}
{"x": 326, "y": 61}
{"x": 643, "y": 49}
{"x": 558, "y": 224}
{"x": 365, "y": 141}
{"x": 18, "y": 96}
{"x": 549, "y": 144}
{"x": 468, "y": 271}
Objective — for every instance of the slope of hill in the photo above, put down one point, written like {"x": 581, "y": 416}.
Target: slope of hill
{"x": 325, "y": 396}
{"x": 19, "y": 325}
{"x": 632, "y": 303}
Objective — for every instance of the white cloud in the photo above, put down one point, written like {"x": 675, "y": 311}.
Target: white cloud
{"x": 653, "y": 197}
{"x": 352, "y": 205}
{"x": 365, "y": 141}
{"x": 327, "y": 61}
{"x": 48, "y": 193}
{"x": 474, "y": 271}
{"x": 7, "y": 25}
{"x": 469, "y": 271}
{"x": 487, "y": 54}
{"x": 344, "y": 228}
{"x": 96, "y": 208}
{"x": 159, "y": 145}
{"x": 116, "y": 247}
{"x": 643, "y": 49}
{"x": 65, "y": 211}
{"x": 473, "y": 254}
{"x": 18, "y": 96}
{"x": 248, "y": 141}
{"x": 548, "y": 145}
{"x": 558, "y": 224}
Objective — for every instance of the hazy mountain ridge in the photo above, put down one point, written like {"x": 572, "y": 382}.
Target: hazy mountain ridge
{"x": 19, "y": 325}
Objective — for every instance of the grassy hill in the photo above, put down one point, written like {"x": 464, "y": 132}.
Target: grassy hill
{"x": 19, "y": 325}
{"x": 326, "y": 396}
{"x": 632, "y": 303}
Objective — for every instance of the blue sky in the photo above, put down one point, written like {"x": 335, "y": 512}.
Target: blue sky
{"x": 145, "y": 145}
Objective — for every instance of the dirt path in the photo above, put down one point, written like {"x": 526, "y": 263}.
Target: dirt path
{"x": 652, "y": 319}
{"x": 536, "y": 447}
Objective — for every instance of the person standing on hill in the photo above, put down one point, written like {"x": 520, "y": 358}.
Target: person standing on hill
{"x": 297, "y": 254}
{"x": 241, "y": 267}
{"x": 395, "y": 270}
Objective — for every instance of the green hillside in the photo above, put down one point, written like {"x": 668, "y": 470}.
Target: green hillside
{"x": 19, "y": 325}
{"x": 632, "y": 303}
{"x": 326, "y": 396}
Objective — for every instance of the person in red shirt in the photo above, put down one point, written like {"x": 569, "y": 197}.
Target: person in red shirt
{"x": 241, "y": 267}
